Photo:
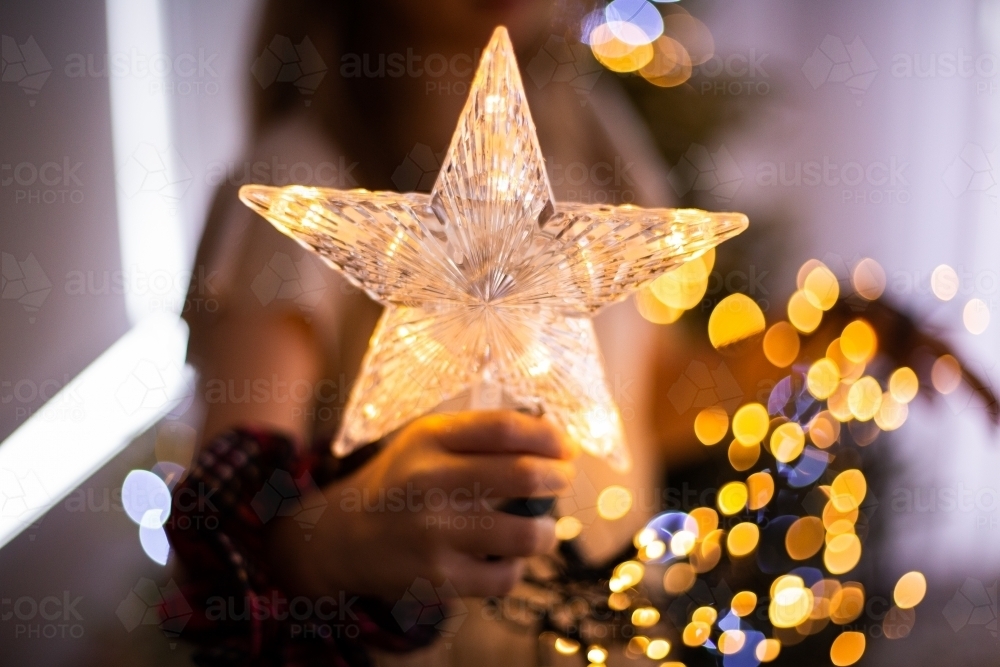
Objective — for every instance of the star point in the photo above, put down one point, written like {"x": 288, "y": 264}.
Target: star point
{"x": 487, "y": 282}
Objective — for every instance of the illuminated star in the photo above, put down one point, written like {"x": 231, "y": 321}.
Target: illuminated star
{"x": 488, "y": 284}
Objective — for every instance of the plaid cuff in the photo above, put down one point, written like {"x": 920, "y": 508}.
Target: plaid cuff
{"x": 242, "y": 480}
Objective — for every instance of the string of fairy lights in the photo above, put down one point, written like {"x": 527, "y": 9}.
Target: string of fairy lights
{"x": 787, "y": 448}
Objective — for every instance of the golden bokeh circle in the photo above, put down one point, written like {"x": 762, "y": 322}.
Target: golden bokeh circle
{"x": 847, "y": 648}
{"x": 743, "y": 539}
{"x": 781, "y": 344}
{"x": 743, "y": 603}
{"x": 750, "y": 423}
{"x": 732, "y": 498}
{"x": 803, "y": 315}
{"x": 859, "y": 342}
{"x": 910, "y": 590}
{"x": 760, "y": 490}
{"x": 736, "y": 318}
{"x": 711, "y": 425}
{"x": 824, "y": 430}
{"x": 823, "y": 378}
{"x": 864, "y": 398}
{"x": 804, "y": 538}
{"x": 787, "y": 442}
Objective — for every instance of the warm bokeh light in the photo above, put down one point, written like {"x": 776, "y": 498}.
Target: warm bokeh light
{"x": 679, "y": 578}
{"x": 847, "y": 603}
{"x": 637, "y": 645}
{"x": 742, "y": 539}
{"x": 781, "y": 344}
{"x": 823, "y": 378}
{"x": 692, "y": 33}
{"x": 731, "y": 641}
{"x": 682, "y": 543}
{"x": 891, "y": 414}
{"x": 628, "y": 574}
{"x": 837, "y": 404}
{"x": 670, "y": 65}
{"x": 706, "y": 518}
{"x": 786, "y": 581}
{"x": 909, "y": 590}
{"x": 696, "y": 633}
{"x": 653, "y": 550}
{"x": 743, "y": 603}
{"x": 768, "y": 650}
{"x": 706, "y": 615}
{"x": 858, "y": 341}
{"x": 707, "y": 553}
{"x": 864, "y": 398}
{"x": 597, "y": 654}
{"x": 711, "y": 425}
{"x": 684, "y": 287}
{"x": 824, "y": 430}
{"x": 848, "y": 490}
{"x": 619, "y": 601}
{"x": 842, "y": 553}
{"x": 787, "y": 442}
{"x": 868, "y": 279}
{"x": 616, "y": 54}
{"x": 803, "y": 315}
{"x": 568, "y": 527}
{"x": 644, "y": 617}
{"x": 735, "y": 319}
{"x": 566, "y": 646}
{"x": 791, "y": 604}
{"x": 658, "y": 649}
{"x": 654, "y": 310}
{"x": 805, "y": 270}
{"x": 614, "y": 502}
{"x": 833, "y": 516}
{"x": 946, "y": 374}
{"x": 732, "y": 498}
{"x": 804, "y": 538}
{"x": 903, "y": 384}
{"x": 743, "y": 457}
{"x": 849, "y": 370}
{"x": 823, "y": 592}
{"x": 821, "y": 288}
{"x": 760, "y": 489}
{"x": 944, "y": 282}
{"x": 847, "y": 648}
{"x": 750, "y": 423}
{"x": 976, "y": 316}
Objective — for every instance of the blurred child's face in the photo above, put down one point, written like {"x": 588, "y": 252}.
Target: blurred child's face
{"x": 467, "y": 24}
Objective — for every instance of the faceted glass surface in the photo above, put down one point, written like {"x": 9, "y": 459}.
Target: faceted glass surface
{"x": 488, "y": 283}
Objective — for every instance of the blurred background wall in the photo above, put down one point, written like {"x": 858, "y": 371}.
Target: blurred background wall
{"x": 897, "y": 101}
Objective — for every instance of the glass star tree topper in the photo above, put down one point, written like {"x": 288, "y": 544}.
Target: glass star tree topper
{"x": 488, "y": 283}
